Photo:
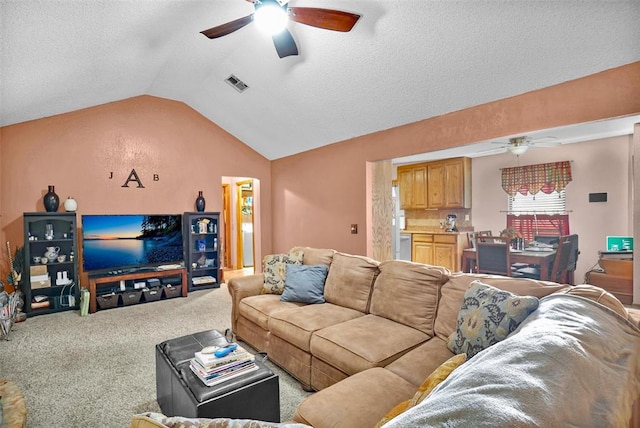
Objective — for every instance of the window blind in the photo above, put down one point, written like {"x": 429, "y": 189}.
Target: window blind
{"x": 540, "y": 203}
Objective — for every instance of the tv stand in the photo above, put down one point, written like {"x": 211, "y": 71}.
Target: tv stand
{"x": 111, "y": 277}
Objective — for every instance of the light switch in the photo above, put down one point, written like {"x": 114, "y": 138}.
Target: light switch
{"x": 354, "y": 229}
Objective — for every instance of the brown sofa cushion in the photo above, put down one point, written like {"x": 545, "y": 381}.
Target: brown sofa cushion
{"x": 364, "y": 342}
{"x": 315, "y": 256}
{"x": 434, "y": 379}
{"x": 452, "y": 293}
{"x": 415, "y": 365}
{"x": 600, "y": 295}
{"x": 407, "y": 293}
{"x": 358, "y": 401}
{"x": 296, "y": 325}
{"x": 350, "y": 280}
{"x": 258, "y": 309}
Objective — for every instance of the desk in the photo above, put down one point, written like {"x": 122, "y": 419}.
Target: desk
{"x": 542, "y": 258}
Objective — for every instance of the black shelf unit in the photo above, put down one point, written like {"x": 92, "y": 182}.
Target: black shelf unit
{"x": 201, "y": 255}
{"x": 62, "y": 234}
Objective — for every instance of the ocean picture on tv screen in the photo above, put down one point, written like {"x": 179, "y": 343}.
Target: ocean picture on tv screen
{"x": 121, "y": 241}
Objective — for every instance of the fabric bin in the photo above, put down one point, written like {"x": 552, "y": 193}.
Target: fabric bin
{"x": 108, "y": 301}
{"x": 152, "y": 294}
{"x": 131, "y": 297}
{"x": 170, "y": 292}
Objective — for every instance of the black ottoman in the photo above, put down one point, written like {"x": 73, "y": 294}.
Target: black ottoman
{"x": 179, "y": 392}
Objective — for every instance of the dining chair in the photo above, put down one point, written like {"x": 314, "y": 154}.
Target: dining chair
{"x": 493, "y": 256}
{"x": 547, "y": 239}
{"x": 560, "y": 263}
{"x": 573, "y": 259}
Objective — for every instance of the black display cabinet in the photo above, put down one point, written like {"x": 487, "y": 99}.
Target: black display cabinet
{"x": 201, "y": 255}
{"x": 50, "y": 286}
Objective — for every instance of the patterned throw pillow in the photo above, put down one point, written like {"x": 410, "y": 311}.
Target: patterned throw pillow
{"x": 274, "y": 267}
{"x": 487, "y": 316}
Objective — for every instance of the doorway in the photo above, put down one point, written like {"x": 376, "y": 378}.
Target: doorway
{"x": 244, "y": 220}
{"x": 240, "y": 218}
{"x": 226, "y": 221}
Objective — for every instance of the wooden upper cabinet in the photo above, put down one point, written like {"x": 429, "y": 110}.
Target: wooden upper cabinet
{"x": 405, "y": 186}
{"x": 420, "y": 187}
{"x": 437, "y": 191}
{"x": 436, "y": 185}
{"x": 412, "y": 182}
{"x": 457, "y": 183}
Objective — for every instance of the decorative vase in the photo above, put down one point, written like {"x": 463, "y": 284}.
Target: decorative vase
{"x": 51, "y": 200}
{"x": 70, "y": 205}
{"x": 200, "y": 202}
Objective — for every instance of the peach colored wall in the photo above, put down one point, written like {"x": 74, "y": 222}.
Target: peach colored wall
{"x": 597, "y": 166}
{"x": 78, "y": 151}
{"x": 319, "y": 193}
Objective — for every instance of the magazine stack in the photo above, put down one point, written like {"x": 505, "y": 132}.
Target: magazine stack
{"x": 213, "y": 370}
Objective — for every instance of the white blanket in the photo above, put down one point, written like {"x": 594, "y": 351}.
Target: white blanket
{"x": 571, "y": 363}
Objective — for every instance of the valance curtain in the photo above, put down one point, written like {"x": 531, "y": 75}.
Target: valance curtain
{"x": 543, "y": 177}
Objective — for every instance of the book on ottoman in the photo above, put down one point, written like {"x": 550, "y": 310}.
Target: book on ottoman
{"x": 212, "y": 370}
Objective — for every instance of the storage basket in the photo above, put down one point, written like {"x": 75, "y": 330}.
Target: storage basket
{"x": 152, "y": 294}
{"x": 170, "y": 292}
{"x": 107, "y": 301}
{"x": 131, "y": 297}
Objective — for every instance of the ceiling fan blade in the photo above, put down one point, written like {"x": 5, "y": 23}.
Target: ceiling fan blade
{"x": 327, "y": 19}
{"x": 228, "y": 28}
{"x": 284, "y": 43}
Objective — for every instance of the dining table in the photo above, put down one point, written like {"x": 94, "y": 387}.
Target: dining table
{"x": 528, "y": 256}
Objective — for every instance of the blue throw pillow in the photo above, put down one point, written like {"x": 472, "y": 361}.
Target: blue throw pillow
{"x": 304, "y": 283}
{"x": 487, "y": 316}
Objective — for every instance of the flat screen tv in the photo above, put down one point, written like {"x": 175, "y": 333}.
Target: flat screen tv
{"x": 127, "y": 241}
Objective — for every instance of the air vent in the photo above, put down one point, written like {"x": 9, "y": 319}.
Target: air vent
{"x": 236, "y": 83}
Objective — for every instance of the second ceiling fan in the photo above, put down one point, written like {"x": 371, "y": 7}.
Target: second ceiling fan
{"x": 328, "y": 19}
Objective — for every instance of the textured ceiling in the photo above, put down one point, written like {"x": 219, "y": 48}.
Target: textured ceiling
{"x": 405, "y": 60}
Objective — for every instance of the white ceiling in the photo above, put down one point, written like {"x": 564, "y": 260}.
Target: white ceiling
{"x": 404, "y": 61}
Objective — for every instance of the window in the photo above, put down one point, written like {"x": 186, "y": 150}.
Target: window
{"x": 540, "y": 214}
{"x": 540, "y": 203}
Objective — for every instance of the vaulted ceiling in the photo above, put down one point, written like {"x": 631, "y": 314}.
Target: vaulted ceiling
{"x": 404, "y": 60}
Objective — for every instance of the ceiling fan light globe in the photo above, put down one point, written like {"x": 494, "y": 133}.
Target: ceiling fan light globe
{"x": 518, "y": 150}
{"x": 271, "y": 19}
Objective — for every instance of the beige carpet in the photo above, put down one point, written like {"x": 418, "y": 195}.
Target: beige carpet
{"x": 98, "y": 370}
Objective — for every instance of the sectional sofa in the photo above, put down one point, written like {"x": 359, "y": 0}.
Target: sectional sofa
{"x": 385, "y": 327}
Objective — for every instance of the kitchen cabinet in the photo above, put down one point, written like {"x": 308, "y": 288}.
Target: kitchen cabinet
{"x": 412, "y": 182}
{"x": 441, "y": 184}
{"x": 449, "y": 183}
{"x": 440, "y": 249}
{"x": 422, "y": 248}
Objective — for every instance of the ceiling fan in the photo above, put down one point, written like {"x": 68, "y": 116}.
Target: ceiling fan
{"x": 519, "y": 145}
{"x": 267, "y": 10}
